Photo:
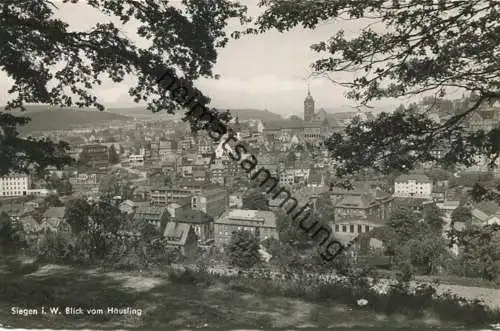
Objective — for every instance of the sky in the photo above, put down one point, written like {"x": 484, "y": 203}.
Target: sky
{"x": 266, "y": 71}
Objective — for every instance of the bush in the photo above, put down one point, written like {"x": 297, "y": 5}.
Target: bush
{"x": 398, "y": 300}
{"x": 129, "y": 253}
{"x": 189, "y": 276}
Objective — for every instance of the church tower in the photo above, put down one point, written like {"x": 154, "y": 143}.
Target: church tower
{"x": 308, "y": 107}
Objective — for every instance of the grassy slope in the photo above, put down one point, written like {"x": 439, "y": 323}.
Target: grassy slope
{"x": 165, "y": 305}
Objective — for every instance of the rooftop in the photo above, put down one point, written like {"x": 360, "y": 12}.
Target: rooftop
{"x": 267, "y": 217}
{"x": 416, "y": 177}
{"x": 213, "y": 191}
{"x": 54, "y": 212}
{"x": 179, "y": 231}
{"x": 188, "y": 215}
{"x": 290, "y": 124}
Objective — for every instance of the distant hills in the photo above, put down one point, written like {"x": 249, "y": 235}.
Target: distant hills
{"x": 254, "y": 114}
{"x": 243, "y": 114}
{"x": 45, "y": 119}
{"x": 142, "y": 114}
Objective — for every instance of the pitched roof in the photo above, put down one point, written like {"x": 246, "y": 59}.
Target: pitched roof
{"x": 54, "y": 212}
{"x": 488, "y": 207}
{"x": 479, "y": 215}
{"x": 211, "y": 192}
{"x": 199, "y": 173}
{"x": 178, "y": 231}
{"x": 149, "y": 213}
{"x": 127, "y": 203}
{"x": 357, "y": 198}
{"x": 188, "y": 215}
{"x": 416, "y": 177}
{"x": 267, "y": 218}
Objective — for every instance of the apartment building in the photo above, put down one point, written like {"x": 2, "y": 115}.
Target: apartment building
{"x": 97, "y": 154}
{"x": 358, "y": 211}
{"x": 154, "y": 215}
{"x": 261, "y": 223}
{"x": 14, "y": 185}
{"x": 137, "y": 160}
{"x": 413, "y": 186}
{"x": 166, "y": 150}
{"x": 164, "y": 195}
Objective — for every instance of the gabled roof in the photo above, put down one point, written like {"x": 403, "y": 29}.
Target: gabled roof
{"x": 149, "y": 213}
{"x": 127, "y": 203}
{"x": 179, "y": 231}
{"x": 479, "y": 215}
{"x": 357, "y": 198}
{"x": 188, "y": 215}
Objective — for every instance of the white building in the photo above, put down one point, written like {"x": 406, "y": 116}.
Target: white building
{"x": 41, "y": 192}
{"x": 137, "y": 160}
{"x": 413, "y": 186}
{"x": 14, "y": 185}
{"x": 83, "y": 179}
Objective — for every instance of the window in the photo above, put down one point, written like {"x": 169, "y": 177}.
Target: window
{"x": 336, "y": 228}
{"x": 360, "y": 229}
{"x": 351, "y": 228}
{"x": 344, "y": 228}
{"x": 367, "y": 228}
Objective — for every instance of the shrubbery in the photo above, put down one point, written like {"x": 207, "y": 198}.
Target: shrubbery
{"x": 101, "y": 234}
{"x": 397, "y": 300}
{"x": 11, "y": 234}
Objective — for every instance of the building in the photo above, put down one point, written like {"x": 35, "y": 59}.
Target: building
{"x": 151, "y": 214}
{"x": 84, "y": 183}
{"x": 261, "y": 223}
{"x": 205, "y": 145}
{"x": 308, "y": 107}
{"x": 236, "y": 201}
{"x": 41, "y": 192}
{"x": 359, "y": 211}
{"x": 413, "y": 186}
{"x": 162, "y": 196}
{"x": 166, "y": 150}
{"x": 212, "y": 202}
{"x": 137, "y": 160}
{"x": 14, "y": 185}
{"x": 202, "y": 223}
{"x": 182, "y": 236}
{"x": 127, "y": 207}
{"x": 486, "y": 119}
{"x": 283, "y": 131}
{"x": 97, "y": 155}
{"x": 316, "y": 179}
{"x": 218, "y": 171}
{"x": 84, "y": 179}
